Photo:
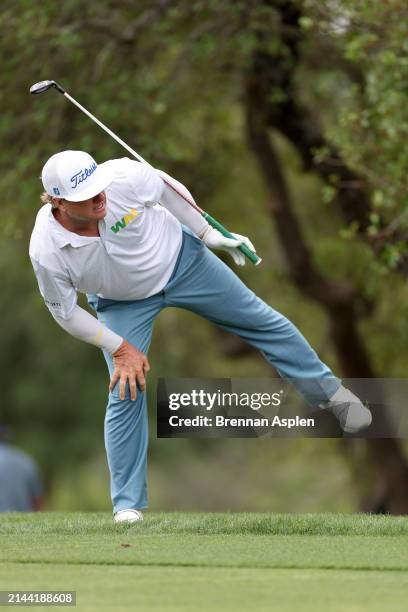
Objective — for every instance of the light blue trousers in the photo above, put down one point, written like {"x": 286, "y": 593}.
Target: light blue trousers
{"x": 202, "y": 283}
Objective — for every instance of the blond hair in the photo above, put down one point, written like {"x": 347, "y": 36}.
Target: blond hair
{"x": 47, "y": 199}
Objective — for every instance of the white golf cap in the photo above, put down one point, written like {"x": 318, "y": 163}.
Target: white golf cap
{"x": 74, "y": 176}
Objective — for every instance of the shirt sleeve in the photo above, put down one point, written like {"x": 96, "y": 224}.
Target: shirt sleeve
{"x": 84, "y": 326}
{"x": 146, "y": 183}
{"x": 176, "y": 198}
{"x": 57, "y": 290}
{"x": 60, "y": 297}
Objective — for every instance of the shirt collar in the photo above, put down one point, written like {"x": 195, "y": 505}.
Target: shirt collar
{"x": 62, "y": 236}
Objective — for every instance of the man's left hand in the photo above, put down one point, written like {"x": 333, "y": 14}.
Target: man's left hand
{"x": 215, "y": 240}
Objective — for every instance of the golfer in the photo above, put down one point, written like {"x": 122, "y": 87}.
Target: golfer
{"x": 121, "y": 233}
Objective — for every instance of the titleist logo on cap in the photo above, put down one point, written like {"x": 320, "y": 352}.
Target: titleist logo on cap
{"x": 82, "y": 175}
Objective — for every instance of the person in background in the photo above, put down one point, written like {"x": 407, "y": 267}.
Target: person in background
{"x": 21, "y": 488}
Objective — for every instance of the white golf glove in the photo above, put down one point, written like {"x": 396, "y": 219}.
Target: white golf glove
{"x": 215, "y": 240}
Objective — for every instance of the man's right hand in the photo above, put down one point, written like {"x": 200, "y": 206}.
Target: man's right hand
{"x": 130, "y": 365}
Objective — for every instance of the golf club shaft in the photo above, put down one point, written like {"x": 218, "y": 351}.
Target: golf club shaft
{"x": 251, "y": 255}
{"x": 107, "y": 130}
{"x": 126, "y": 146}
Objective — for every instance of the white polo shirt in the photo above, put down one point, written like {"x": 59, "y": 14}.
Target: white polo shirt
{"x": 133, "y": 257}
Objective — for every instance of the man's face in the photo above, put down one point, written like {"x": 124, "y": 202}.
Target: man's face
{"x": 85, "y": 210}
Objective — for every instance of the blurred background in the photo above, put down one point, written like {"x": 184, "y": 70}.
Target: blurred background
{"x": 288, "y": 121}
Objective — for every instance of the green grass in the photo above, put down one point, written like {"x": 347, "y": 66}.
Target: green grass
{"x": 210, "y": 561}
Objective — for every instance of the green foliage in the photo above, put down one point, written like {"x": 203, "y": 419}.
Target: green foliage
{"x": 369, "y": 112}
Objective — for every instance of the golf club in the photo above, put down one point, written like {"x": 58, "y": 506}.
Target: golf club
{"x": 43, "y": 86}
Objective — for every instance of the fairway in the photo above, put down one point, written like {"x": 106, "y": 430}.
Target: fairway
{"x": 210, "y": 561}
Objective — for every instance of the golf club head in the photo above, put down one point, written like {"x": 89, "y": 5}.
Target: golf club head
{"x": 42, "y": 86}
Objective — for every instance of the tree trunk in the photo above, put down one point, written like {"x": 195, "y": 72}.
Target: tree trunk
{"x": 340, "y": 300}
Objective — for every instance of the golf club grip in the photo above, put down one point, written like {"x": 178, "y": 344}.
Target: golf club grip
{"x": 242, "y": 247}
